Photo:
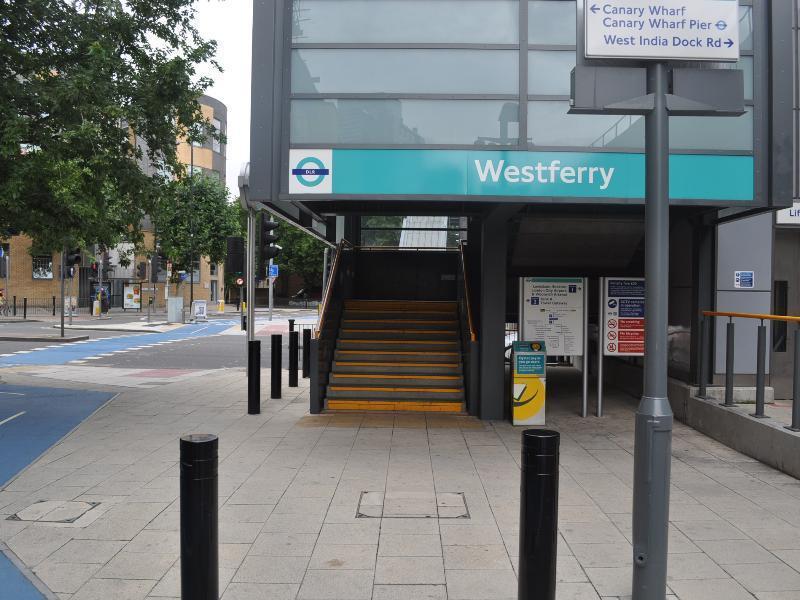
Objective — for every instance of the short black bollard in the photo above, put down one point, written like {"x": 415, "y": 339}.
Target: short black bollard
{"x": 538, "y": 519}
{"x": 306, "y": 351}
{"x": 294, "y": 338}
{"x": 54, "y": 306}
{"x": 244, "y": 322}
{"x": 291, "y": 325}
{"x": 25, "y": 308}
{"x": 253, "y": 377}
{"x": 730, "y": 355}
{"x": 14, "y": 306}
{"x": 795, "y": 426}
{"x": 761, "y": 368}
{"x": 199, "y": 518}
{"x": 276, "y": 365}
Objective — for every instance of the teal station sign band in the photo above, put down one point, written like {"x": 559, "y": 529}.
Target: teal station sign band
{"x": 513, "y": 173}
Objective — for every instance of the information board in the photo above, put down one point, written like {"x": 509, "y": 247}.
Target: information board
{"x": 552, "y": 310}
{"x": 662, "y": 29}
{"x": 131, "y": 297}
{"x": 623, "y": 326}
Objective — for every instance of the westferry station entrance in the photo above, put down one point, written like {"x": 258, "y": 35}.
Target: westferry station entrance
{"x": 460, "y": 130}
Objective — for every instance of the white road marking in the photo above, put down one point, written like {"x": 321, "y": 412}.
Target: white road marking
{"x": 19, "y": 414}
{"x": 12, "y": 393}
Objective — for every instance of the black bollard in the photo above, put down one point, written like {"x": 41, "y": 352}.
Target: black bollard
{"x": 294, "y": 338}
{"x": 253, "y": 377}
{"x": 306, "y": 351}
{"x": 244, "y": 321}
{"x": 199, "y": 518}
{"x": 538, "y": 519}
{"x": 25, "y": 308}
{"x": 15, "y": 306}
{"x": 54, "y": 306}
{"x": 291, "y": 325}
{"x": 276, "y": 365}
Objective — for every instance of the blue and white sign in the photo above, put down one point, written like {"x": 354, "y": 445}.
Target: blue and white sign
{"x": 552, "y": 310}
{"x": 662, "y": 29}
{"x": 310, "y": 171}
{"x": 273, "y": 270}
{"x": 744, "y": 279}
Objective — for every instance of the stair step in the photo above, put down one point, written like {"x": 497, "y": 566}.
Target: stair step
{"x": 400, "y": 305}
{"x": 419, "y": 368}
{"x": 395, "y": 394}
{"x": 399, "y": 323}
{"x": 393, "y": 344}
{"x": 396, "y": 334}
{"x": 399, "y": 356}
{"x": 362, "y": 404}
{"x": 419, "y": 315}
{"x": 400, "y": 380}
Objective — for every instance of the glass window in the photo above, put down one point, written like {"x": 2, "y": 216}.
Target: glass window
{"x": 746, "y": 28}
{"x": 549, "y": 71}
{"x": 42, "y": 267}
{"x": 405, "y": 71}
{"x": 550, "y": 125}
{"x": 412, "y": 122}
{"x": 215, "y": 143}
{"x": 712, "y": 133}
{"x": 746, "y": 65}
{"x": 551, "y": 22}
{"x": 389, "y": 21}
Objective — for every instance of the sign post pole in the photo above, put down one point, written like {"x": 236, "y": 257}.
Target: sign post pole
{"x": 653, "y": 438}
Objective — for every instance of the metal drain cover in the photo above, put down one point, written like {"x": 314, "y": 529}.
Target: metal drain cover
{"x": 65, "y": 512}
{"x": 412, "y": 505}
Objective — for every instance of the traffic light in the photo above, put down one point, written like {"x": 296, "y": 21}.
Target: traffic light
{"x": 234, "y": 258}
{"x": 73, "y": 257}
{"x": 155, "y": 268}
{"x": 267, "y": 249}
{"x": 141, "y": 270}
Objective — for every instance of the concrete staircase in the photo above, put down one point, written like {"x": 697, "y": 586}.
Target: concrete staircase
{"x": 397, "y": 356}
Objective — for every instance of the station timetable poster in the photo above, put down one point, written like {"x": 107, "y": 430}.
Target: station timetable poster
{"x": 624, "y": 318}
{"x": 552, "y": 310}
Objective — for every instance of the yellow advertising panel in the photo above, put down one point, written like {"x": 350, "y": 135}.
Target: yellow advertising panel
{"x": 528, "y": 383}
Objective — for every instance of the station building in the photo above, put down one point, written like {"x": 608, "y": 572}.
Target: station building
{"x": 431, "y": 143}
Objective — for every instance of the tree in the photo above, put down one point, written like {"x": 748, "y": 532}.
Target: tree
{"x": 195, "y": 221}
{"x": 88, "y": 90}
{"x": 302, "y": 255}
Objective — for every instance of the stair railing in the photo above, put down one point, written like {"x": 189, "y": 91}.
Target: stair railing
{"x": 469, "y": 336}
{"x": 323, "y": 346}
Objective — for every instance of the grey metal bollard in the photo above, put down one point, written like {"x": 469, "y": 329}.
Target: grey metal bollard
{"x": 795, "y": 426}
{"x": 730, "y": 355}
{"x": 761, "y": 368}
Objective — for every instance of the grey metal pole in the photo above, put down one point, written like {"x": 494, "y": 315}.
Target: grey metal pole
{"x": 601, "y": 284}
{"x": 62, "y": 293}
{"x": 653, "y": 438}
{"x": 251, "y": 274}
{"x": 585, "y": 366}
{"x": 730, "y": 356}
{"x": 325, "y": 259}
{"x": 270, "y": 291}
{"x": 705, "y": 342}
{"x": 761, "y": 368}
{"x": 795, "y": 426}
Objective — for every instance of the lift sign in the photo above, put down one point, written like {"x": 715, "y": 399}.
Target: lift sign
{"x": 662, "y": 29}
{"x": 624, "y": 309}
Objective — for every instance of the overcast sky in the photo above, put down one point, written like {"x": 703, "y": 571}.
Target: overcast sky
{"x": 230, "y": 23}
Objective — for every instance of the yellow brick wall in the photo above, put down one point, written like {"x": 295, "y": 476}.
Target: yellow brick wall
{"x": 21, "y": 282}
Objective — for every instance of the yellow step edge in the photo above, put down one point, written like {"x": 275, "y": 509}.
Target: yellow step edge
{"x": 392, "y": 364}
{"x": 377, "y": 405}
{"x": 427, "y": 321}
{"x": 402, "y": 352}
{"x": 344, "y": 388}
{"x": 351, "y": 341}
{"x": 427, "y": 331}
{"x": 391, "y": 376}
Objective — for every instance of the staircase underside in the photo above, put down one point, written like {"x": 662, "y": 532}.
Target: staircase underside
{"x": 397, "y": 356}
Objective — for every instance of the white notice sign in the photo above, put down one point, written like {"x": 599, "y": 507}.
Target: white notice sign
{"x": 662, "y": 29}
{"x": 552, "y": 310}
{"x": 623, "y": 329}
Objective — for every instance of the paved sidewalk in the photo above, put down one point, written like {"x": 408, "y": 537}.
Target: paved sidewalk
{"x": 291, "y": 483}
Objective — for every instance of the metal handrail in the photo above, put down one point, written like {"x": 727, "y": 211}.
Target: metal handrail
{"x": 762, "y": 317}
{"x": 472, "y": 335}
{"x": 323, "y": 313}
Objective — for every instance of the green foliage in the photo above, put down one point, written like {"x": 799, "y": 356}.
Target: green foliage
{"x": 88, "y": 89}
{"x": 301, "y": 255}
{"x": 195, "y": 221}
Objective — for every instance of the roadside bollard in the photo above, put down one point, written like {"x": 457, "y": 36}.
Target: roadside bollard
{"x": 306, "y": 351}
{"x": 730, "y": 356}
{"x": 276, "y": 365}
{"x": 538, "y": 519}
{"x": 253, "y": 377}
{"x": 291, "y": 325}
{"x": 294, "y": 338}
{"x": 761, "y": 369}
{"x": 54, "y": 306}
{"x": 14, "y": 306}
{"x": 25, "y": 308}
{"x": 199, "y": 517}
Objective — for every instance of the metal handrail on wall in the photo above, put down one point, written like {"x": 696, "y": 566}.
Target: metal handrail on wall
{"x": 473, "y": 336}
{"x": 323, "y": 313}
{"x": 761, "y": 359}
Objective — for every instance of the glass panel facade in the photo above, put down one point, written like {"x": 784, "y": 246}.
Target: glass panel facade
{"x": 409, "y": 21}
{"x": 549, "y": 71}
{"x": 551, "y": 22}
{"x": 412, "y": 122}
{"x": 712, "y": 133}
{"x": 550, "y": 125}
{"x": 405, "y": 71}
{"x": 746, "y": 28}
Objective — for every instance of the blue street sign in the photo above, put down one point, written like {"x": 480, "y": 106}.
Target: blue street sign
{"x": 273, "y": 270}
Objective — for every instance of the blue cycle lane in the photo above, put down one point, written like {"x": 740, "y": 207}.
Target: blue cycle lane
{"x": 63, "y": 353}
